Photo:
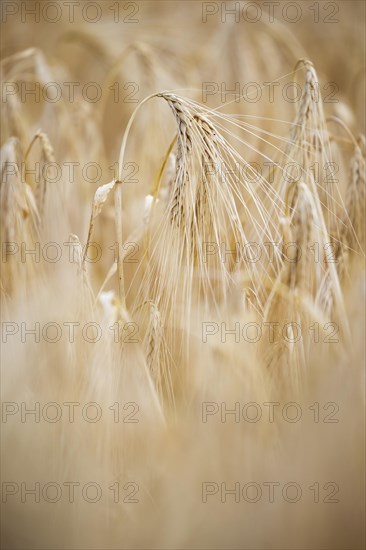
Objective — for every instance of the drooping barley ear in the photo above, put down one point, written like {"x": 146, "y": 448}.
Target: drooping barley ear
{"x": 183, "y": 159}
{"x": 201, "y": 222}
{"x": 48, "y": 156}
{"x": 190, "y": 127}
{"x": 47, "y": 149}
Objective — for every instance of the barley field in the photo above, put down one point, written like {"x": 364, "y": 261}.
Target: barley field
{"x": 183, "y": 275}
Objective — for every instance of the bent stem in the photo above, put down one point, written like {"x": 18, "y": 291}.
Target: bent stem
{"x": 118, "y": 207}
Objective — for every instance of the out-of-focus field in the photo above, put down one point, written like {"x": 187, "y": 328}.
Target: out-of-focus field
{"x": 182, "y": 274}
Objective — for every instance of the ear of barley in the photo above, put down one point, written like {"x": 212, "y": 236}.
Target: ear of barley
{"x": 309, "y": 155}
{"x": 19, "y": 214}
{"x": 47, "y": 156}
{"x": 356, "y": 199}
{"x": 201, "y": 208}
